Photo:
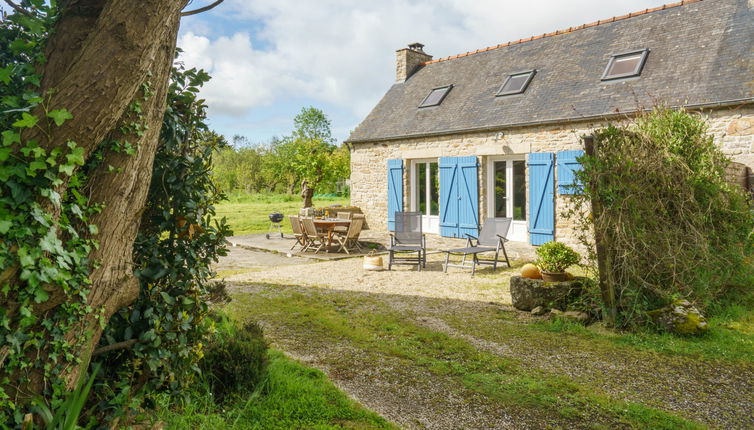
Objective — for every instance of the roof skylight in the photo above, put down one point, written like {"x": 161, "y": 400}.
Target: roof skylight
{"x": 625, "y": 65}
{"x": 516, "y": 83}
{"x": 436, "y": 96}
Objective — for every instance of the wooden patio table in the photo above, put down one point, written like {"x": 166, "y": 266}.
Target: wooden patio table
{"x": 329, "y": 225}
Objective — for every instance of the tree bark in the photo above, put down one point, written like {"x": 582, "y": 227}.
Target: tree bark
{"x": 98, "y": 58}
{"x": 607, "y": 287}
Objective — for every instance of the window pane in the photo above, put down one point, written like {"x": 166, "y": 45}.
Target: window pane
{"x": 434, "y": 181}
{"x": 624, "y": 65}
{"x": 421, "y": 187}
{"x": 519, "y": 190}
{"x": 515, "y": 83}
{"x": 501, "y": 205}
{"x": 435, "y": 96}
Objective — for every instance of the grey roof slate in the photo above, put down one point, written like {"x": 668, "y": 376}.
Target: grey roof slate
{"x": 700, "y": 53}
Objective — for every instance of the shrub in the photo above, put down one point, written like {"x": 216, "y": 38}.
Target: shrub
{"x": 672, "y": 226}
{"x": 179, "y": 239}
{"x": 235, "y": 360}
{"x": 555, "y": 257}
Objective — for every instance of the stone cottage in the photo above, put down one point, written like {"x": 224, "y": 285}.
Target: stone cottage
{"x": 496, "y": 132}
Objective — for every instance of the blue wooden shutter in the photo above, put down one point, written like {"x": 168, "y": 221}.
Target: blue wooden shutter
{"x": 448, "y": 196}
{"x": 541, "y": 198}
{"x": 567, "y": 166}
{"x": 394, "y": 190}
{"x": 468, "y": 193}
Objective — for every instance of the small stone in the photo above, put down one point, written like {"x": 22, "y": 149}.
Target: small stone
{"x": 555, "y": 312}
{"x": 539, "y": 310}
{"x": 680, "y": 317}
{"x": 576, "y": 316}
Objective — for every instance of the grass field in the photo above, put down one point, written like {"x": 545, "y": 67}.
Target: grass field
{"x": 247, "y": 213}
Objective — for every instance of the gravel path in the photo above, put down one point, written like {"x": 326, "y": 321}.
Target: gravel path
{"x": 715, "y": 394}
{"x": 402, "y": 280}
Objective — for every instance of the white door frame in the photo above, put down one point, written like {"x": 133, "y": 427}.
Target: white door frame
{"x": 519, "y": 231}
{"x": 430, "y": 223}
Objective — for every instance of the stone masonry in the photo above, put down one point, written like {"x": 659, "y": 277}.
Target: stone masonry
{"x": 733, "y": 130}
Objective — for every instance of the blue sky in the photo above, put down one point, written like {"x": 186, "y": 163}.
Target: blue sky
{"x": 270, "y": 58}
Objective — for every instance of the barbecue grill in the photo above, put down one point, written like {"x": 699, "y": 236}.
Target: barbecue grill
{"x": 275, "y": 224}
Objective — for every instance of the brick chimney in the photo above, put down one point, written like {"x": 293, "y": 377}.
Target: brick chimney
{"x": 408, "y": 60}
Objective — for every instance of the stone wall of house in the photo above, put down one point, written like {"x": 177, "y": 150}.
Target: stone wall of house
{"x": 733, "y": 130}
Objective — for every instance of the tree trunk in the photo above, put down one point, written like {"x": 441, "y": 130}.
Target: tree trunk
{"x": 291, "y": 187}
{"x": 307, "y": 193}
{"x": 606, "y": 285}
{"x": 99, "y": 56}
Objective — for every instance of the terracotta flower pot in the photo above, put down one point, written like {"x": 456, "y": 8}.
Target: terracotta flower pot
{"x": 554, "y": 277}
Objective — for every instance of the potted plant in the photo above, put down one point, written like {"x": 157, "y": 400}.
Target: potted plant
{"x": 554, "y": 258}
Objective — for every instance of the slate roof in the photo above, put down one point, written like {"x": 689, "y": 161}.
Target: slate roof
{"x": 701, "y": 53}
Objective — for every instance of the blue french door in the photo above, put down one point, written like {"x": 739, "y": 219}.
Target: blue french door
{"x": 459, "y": 196}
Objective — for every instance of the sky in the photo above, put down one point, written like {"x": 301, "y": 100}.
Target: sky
{"x": 271, "y": 58}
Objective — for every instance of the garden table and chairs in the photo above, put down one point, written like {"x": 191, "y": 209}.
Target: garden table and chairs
{"x": 328, "y": 225}
{"x": 316, "y": 234}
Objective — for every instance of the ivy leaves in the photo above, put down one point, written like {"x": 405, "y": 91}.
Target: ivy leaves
{"x": 27, "y": 121}
{"x": 59, "y": 116}
{"x": 5, "y": 74}
{"x": 44, "y": 232}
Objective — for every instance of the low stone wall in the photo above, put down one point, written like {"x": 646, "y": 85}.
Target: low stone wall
{"x": 527, "y": 294}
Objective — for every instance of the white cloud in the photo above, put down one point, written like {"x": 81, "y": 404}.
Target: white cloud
{"x": 342, "y": 51}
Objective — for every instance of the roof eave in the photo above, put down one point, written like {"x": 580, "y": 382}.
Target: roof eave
{"x": 603, "y": 116}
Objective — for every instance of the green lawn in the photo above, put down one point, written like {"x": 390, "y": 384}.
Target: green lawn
{"x": 293, "y": 396}
{"x": 247, "y": 213}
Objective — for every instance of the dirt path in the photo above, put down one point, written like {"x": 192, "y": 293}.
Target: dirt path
{"x": 448, "y": 363}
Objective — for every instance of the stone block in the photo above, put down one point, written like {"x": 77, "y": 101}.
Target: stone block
{"x": 527, "y": 294}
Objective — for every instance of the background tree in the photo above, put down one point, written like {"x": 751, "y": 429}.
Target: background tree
{"x": 308, "y": 157}
{"x": 313, "y": 146}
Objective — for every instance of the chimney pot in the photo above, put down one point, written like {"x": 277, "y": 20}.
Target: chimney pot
{"x": 416, "y": 46}
{"x": 409, "y": 60}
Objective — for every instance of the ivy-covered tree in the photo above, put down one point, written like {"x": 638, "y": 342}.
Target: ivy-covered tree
{"x": 80, "y": 129}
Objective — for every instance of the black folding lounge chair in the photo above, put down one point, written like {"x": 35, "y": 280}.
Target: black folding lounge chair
{"x": 491, "y": 239}
{"x": 407, "y": 238}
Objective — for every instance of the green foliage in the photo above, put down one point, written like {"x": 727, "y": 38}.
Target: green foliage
{"x": 67, "y": 414}
{"x": 313, "y": 154}
{"x": 235, "y": 360}
{"x": 556, "y": 257}
{"x": 178, "y": 240}
{"x": 672, "y": 225}
{"x": 309, "y": 153}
